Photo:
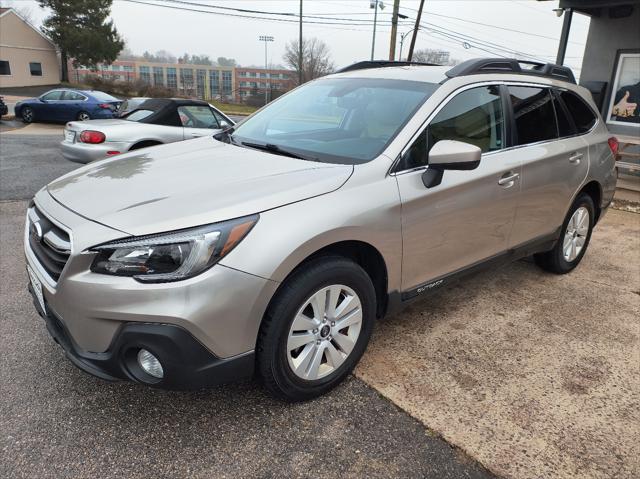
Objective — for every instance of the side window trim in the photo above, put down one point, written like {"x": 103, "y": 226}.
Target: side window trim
{"x": 510, "y": 131}
{"x": 393, "y": 170}
{"x": 558, "y": 101}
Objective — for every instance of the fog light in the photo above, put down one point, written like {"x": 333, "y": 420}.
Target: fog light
{"x": 150, "y": 364}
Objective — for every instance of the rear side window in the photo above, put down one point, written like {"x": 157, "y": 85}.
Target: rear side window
{"x": 72, "y": 95}
{"x": 533, "y": 113}
{"x": 473, "y": 116}
{"x": 582, "y": 115}
{"x": 137, "y": 115}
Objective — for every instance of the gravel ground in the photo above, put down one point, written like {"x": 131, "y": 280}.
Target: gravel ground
{"x": 57, "y": 421}
{"x": 535, "y": 375}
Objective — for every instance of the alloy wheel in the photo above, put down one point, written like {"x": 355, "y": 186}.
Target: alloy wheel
{"x": 82, "y": 116}
{"x": 324, "y": 332}
{"x": 576, "y": 233}
{"x": 27, "y": 115}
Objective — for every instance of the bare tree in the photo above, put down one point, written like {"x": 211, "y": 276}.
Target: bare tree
{"x": 437, "y": 57}
{"x": 316, "y": 58}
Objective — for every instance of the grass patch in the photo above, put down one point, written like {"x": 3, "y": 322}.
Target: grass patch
{"x": 233, "y": 108}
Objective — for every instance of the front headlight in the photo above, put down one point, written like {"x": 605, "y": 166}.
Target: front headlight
{"x": 171, "y": 256}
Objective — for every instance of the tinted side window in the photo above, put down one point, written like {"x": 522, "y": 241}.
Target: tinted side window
{"x": 534, "y": 115}
{"x": 565, "y": 126}
{"x": 582, "y": 115}
{"x": 473, "y": 116}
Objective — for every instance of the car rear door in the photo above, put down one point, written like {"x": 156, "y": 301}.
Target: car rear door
{"x": 468, "y": 217}
{"x": 197, "y": 121}
{"x": 554, "y": 161}
{"x": 71, "y": 104}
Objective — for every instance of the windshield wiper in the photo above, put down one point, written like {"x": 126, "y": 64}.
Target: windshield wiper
{"x": 278, "y": 150}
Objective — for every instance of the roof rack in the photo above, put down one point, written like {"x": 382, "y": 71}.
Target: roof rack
{"x": 382, "y": 64}
{"x": 478, "y": 66}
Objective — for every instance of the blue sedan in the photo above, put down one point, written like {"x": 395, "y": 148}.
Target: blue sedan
{"x": 64, "y": 105}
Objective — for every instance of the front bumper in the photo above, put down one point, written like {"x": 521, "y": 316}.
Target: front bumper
{"x": 86, "y": 153}
{"x": 187, "y": 364}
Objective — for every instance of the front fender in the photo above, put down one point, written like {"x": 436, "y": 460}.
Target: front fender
{"x": 284, "y": 237}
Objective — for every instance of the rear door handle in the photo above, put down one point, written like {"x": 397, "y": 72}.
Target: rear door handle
{"x": 575, "y": 158}
{"x": 508, "y": 179}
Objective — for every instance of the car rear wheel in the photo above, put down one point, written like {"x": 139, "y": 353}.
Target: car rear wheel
{"x": 574, "y": 238}
{"x": 316, "y": 329}
{"x": 83, "y": 116}
{"x": 27, "y": 114}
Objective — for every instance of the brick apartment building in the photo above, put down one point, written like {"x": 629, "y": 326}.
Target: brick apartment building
{"x": 254, "y": 81}
{"x": 202, "y": 81}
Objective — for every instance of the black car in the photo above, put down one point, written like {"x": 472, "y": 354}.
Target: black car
{"x": 3, "y": 107}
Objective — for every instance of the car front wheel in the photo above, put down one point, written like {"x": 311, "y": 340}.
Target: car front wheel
{"x": 27, "y": 114}
{"x": 316, "y": 329}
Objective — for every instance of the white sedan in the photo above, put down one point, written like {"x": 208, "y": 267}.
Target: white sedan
{"x": 154, "y": 122}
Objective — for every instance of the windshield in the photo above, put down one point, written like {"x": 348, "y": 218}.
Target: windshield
{"x": 337, "y": 120}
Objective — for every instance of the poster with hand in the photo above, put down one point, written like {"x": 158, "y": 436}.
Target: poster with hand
{"x": 624, "y": 106}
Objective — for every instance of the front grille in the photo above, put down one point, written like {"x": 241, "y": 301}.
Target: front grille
{"x": 49, "y": 243}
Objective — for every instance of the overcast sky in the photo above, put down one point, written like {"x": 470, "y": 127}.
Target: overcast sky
{"x": 524, "y": 26}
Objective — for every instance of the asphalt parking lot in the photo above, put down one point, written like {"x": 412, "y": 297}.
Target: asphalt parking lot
{"x": 57, "y": 421}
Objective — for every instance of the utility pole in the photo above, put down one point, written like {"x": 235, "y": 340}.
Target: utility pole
{"x": 394, "y": 30}
{"x": 300, "y": 75}
{"x": 265, "y": 39}
{"x": 415, "y": 31}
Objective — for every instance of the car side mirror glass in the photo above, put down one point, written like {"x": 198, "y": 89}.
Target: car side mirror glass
{"x": 450, "y": 155}
{"x": 224, "y": 124}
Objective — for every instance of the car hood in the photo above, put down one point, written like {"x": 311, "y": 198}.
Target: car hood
{"x": 190, "y": 183}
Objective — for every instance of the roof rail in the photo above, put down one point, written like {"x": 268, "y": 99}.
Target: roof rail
{"x": 511, "y": 65}
{"x": 382, "y": 64}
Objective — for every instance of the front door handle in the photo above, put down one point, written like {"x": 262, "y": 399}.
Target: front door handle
{"x": 508, "y": 179}
{"x": 575, "y": 158}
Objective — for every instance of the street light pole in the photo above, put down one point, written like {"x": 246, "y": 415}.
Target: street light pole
{"x": 266, "y": 39}
{"x": 374, "y": 4}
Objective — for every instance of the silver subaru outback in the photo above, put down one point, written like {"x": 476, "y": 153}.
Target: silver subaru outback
{"x": 271, "y": 249}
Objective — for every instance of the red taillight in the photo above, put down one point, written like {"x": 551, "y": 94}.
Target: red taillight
{"x": 613, "y": 144}
{"x": 106, "y": 106}
{"x": 90, "y": 136}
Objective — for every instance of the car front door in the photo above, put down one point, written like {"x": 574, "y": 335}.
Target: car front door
{"x": 48, "y": 105}
{"x": 468, "y": 217}
{"x": 198, "y": 120}
{"x": 554, "y": 162}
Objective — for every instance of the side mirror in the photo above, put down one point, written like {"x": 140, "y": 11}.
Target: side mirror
{"x": 450, "y": 155}
{"x": 224, "y": 124}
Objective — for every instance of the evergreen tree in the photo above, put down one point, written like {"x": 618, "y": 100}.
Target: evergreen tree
{"x": 82, "y": 31}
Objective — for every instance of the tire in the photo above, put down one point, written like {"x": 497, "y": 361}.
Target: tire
{"x": 574, "y": 238}
{"x": 27, "y": 114}
{"x": 321, "y": 343}
{"x": 83, "y": 116}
